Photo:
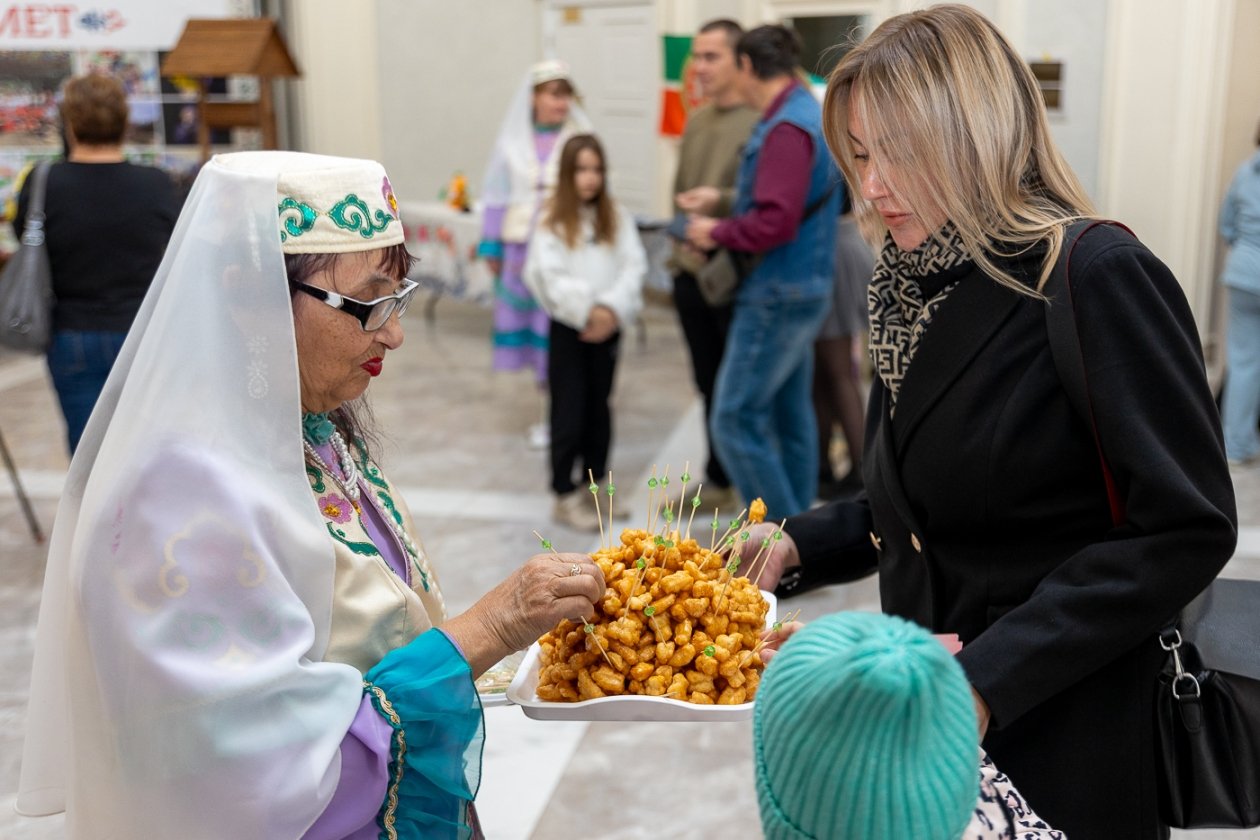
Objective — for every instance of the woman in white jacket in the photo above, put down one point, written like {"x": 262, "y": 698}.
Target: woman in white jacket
{"x": 586, "y": 267}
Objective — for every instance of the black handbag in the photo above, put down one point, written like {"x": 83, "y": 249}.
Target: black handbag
{"x": 1208, "y": 710}
{"x": 26, "y": 296}
{"x": 1207, "y": 716}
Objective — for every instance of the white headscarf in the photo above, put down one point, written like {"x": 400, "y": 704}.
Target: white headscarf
{"x": 178, "y": 689}
{"x": 512, "y": 178}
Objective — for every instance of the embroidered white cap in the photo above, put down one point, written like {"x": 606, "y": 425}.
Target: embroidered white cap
{"x": 327, "y": 205}
{"x": 549, "y": 70}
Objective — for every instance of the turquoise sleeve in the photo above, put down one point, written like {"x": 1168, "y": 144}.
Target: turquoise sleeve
{"x": 426, "y": 692}
{"x": 490, "y": 249}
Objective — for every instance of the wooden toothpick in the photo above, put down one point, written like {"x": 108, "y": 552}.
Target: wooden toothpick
{"x": 695, "y": 503}
{"x": 652, "y": 484}
{"x": 765, "y": 544}
{"x": 682, "y": 496}
{"x": 611, "y": 489}
{"x": 594, "y": 488}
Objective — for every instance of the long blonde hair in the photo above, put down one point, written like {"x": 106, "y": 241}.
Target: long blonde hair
{"x": 944, "y": 97}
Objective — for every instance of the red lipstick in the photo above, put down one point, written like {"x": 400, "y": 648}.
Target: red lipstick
{"x": 373, "y": 366}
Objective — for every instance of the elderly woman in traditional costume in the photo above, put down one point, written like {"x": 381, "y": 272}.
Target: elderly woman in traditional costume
{"x": 240, "y": 635}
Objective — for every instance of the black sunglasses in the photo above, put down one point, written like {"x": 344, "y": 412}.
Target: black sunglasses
{"x": 371, "y": 314}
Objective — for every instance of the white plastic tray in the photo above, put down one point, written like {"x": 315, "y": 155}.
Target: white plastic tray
{"x": 523, "y": 693}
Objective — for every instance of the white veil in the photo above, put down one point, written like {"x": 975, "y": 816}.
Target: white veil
{"x": 507, "y": 180}
{"x": 177, "y": 689}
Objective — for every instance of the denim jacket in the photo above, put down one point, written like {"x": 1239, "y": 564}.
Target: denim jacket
{"x": 801, "y": 269}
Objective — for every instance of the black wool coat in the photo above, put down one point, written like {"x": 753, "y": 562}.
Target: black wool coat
{"x": 987, "y": 516}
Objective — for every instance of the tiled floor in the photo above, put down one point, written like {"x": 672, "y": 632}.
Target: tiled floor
{"x": 454, "y": 441}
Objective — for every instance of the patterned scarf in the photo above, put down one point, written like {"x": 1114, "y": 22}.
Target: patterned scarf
{"x": 907, "y": 289}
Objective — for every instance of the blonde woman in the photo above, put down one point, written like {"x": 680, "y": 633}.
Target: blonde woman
{"x": 986, "y": 513}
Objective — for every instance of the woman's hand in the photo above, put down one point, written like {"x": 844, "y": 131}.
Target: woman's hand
{"x": 600, "y": 325}
{"x": 776, "y": 639}
{"x": 982, "y": 712}
{"x": 530, "y": 602}
{"x": 779, "y": 557}
{"x": 699, "y": 200}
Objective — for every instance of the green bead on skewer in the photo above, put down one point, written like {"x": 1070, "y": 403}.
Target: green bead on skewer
{"x": 650, "y": 612}
{"x": 710, "y": 650}
{"x": 594, "y": 488}
{"x": 686, "y": 477}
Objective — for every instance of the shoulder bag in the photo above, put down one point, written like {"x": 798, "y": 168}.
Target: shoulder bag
{"x": 1207, "y": 714}
{"x": 720, "y": 277}
{"x": 26, "y": 296}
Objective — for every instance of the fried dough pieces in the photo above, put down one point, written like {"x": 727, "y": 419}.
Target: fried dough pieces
{"x": 677, "y": 625}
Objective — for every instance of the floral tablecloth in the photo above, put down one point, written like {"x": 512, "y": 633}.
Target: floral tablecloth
{"x": 444, "y": 241}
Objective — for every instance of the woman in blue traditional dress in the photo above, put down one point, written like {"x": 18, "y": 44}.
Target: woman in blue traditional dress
{"x": 240, "y": 634}
{"x": 520, "y": 177}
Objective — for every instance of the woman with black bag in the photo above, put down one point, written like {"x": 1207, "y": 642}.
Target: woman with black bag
{"x": 107, "y": 223}
{"x": 986, "y": 513}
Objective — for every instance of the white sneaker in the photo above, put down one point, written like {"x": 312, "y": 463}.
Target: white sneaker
{"x": 539, "y": 436}
{"x": 574, "y": 511}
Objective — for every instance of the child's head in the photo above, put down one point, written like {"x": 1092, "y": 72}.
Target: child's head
{"x": 582, "y": 168}
{"x": 580, "y": 183}
{"x": 865, "y": 728}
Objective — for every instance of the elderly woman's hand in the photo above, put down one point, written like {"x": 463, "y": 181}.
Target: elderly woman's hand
{"x": 533, "y": 599}
{"x": 782, "y": 555}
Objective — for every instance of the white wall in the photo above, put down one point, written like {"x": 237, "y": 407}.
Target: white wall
{"x": 336, "y": 103}
{"x": 1073, "y": 32}
{"x": 448, "y": 69}
{"x": 1164, "y": 114}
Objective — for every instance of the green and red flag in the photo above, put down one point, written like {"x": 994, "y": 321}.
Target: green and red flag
{"x": 681, "y": 94}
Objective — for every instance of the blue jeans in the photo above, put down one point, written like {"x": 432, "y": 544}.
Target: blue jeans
{"x": 79, "y": 362}
{"x": 763, "y": 416}
{"x": 1240, "y": 405}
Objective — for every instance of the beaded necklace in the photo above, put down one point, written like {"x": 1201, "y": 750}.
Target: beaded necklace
{"x": 320, "y": 429}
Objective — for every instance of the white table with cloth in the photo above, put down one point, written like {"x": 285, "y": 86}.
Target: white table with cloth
{"x": 444, "y": 241}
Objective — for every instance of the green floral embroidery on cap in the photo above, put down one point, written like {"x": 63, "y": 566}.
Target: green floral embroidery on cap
{"x": 300, "y": 217}
{"x": 353, "y": 214}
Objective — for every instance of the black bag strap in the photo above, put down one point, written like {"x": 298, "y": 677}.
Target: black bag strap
{"x": 34, "y": 226}
{"x": 1065, "y": 347}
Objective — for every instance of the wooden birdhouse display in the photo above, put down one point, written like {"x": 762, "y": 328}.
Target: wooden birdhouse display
{"x": 232, "y": 47}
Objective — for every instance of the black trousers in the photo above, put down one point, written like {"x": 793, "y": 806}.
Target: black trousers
{"x": 705, "y": 329}
{"x": 580, "y": 378}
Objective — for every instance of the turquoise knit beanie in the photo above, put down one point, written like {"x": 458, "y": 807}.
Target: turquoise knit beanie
{"x": 865, "y": 729}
